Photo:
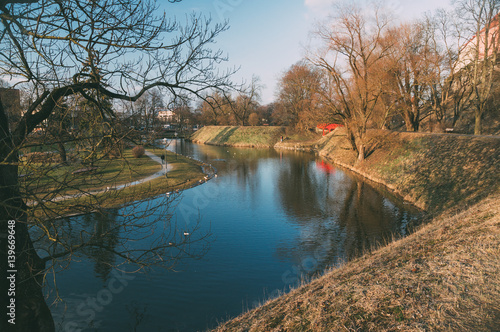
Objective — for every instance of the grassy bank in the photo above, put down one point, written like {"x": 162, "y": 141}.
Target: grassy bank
{"x": 445, "y": 276}
{"x": 259, "y": 137}
{"x": 184, "y": 174}
{"x": 43, "y": 178}
{"x": 434, "y": 172}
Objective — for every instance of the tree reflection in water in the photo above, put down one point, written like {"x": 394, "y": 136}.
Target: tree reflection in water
{"x": 276, "y": 216}
{"x": 133, "y": 238}
{"x": 339, "y": 217}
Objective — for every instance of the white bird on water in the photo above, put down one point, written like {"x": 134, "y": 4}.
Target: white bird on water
{"x": 186, "y": 233}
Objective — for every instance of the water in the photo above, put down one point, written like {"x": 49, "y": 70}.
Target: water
{"x": 269, "y": 220}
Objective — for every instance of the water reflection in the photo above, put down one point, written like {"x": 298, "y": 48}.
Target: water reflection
{"x": 339, "y": 217}
{"x": 105, "y": 243}
{"x": 275, "y": 217}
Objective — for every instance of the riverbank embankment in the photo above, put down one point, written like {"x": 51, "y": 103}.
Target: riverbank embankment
{"x": 435, "y": 172}
{"x": 444, "y": 276}
{"x": 254, "y": 137}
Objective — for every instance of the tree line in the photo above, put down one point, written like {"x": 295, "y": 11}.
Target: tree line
{"x": 369, "y": 69}
{"x": 372, "y": 71}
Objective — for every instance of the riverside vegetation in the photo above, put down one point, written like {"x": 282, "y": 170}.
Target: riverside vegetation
{"x": 444, "y": 276}
{"x": 183, "y": 173}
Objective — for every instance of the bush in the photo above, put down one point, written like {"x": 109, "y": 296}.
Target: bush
{"x": 138, "y": 151}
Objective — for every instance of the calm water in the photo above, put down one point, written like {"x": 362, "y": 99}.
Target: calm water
{"x": 269, "y": 219}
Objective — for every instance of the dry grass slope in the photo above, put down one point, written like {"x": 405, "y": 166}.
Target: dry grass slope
{"x": 263, "y": 137}
{"x": 434, "y": 172}
{"x": 445, "y": 277}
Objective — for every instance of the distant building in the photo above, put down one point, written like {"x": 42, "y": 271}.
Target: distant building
{"x": 11, "y": 101}
{"x": 478, "y": 45}
{"x": 166, "y": 116}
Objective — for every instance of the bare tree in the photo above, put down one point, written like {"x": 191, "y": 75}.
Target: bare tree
{"x": 449, "y": 90}
{"x": 147, "y": 106}
{"x": 216, "y": 109}
{"x": 231, "y": 106}
{"x": 182, "y": 110}
{"x": 298, "y": 100}
{"x": 96, "y": 50}
{"x": 408, "y": 69}
{"x": 478, "y": 57}
{"x": 244, "y": 103}
{"x": 254, "y": 119}
{"x": 354, "y": 46}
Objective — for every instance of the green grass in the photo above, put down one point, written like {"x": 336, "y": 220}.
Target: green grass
{"x": 44, "y": 178}
{"x": 185, "y": 173}
{"x": 239, "y": 136}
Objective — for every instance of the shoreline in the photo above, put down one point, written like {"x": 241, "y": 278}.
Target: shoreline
{"x": 137, "y": 190}
{"x": 443, "y": 276}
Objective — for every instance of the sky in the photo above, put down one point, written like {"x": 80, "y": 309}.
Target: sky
{"x": 266, "y": 37}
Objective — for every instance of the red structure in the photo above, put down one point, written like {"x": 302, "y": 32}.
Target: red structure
{"x": 325, "y": 167}
{"x": 328, "y": 127}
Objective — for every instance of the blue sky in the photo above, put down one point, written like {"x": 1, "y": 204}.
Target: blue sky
{"x": 266, "y": 37}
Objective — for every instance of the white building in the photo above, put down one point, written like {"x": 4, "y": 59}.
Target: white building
{"x": 165, "y": 115}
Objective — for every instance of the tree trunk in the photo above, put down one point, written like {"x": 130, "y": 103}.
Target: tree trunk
{"x": 411, "y": 121}
{"x": 26, "y": 298}
{"x": 62, "y": 153}
{"x": 351, "y": 138}
{"x": 478, "y": 129}
{"x": 361, "y": 152}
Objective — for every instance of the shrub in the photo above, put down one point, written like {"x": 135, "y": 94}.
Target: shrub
{"x": 138, "y": 151}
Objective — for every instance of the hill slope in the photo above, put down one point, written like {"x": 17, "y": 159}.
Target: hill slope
{"x": 263, "y": 137}
{"x": 445, "y": 276}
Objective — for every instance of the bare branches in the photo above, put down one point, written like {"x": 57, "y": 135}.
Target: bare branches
{"x": 478, "y": 58}
{"x": 298, "y": 97}
{"x": 354, "y": 48}
{"x": 76, "y": 57}
{"x": 120, "y": 49}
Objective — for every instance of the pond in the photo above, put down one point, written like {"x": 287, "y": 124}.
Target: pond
{"x": 269, "y": 220}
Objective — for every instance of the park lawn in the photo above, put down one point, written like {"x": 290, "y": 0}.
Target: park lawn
{"x": 184, "y": 174}
{"x": 44, "y": 178}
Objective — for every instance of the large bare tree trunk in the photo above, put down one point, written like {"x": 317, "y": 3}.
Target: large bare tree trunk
{"x": 28, "y": 309}
{"x": 361, "y": 152}
{"x": 412, "y": 121}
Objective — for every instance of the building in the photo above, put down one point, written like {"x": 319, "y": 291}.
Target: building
{"x": 483, "y": 45}
{"x": 166, "y": 116}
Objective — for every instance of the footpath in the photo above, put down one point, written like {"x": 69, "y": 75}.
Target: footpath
{"x": 164, "y": 170}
